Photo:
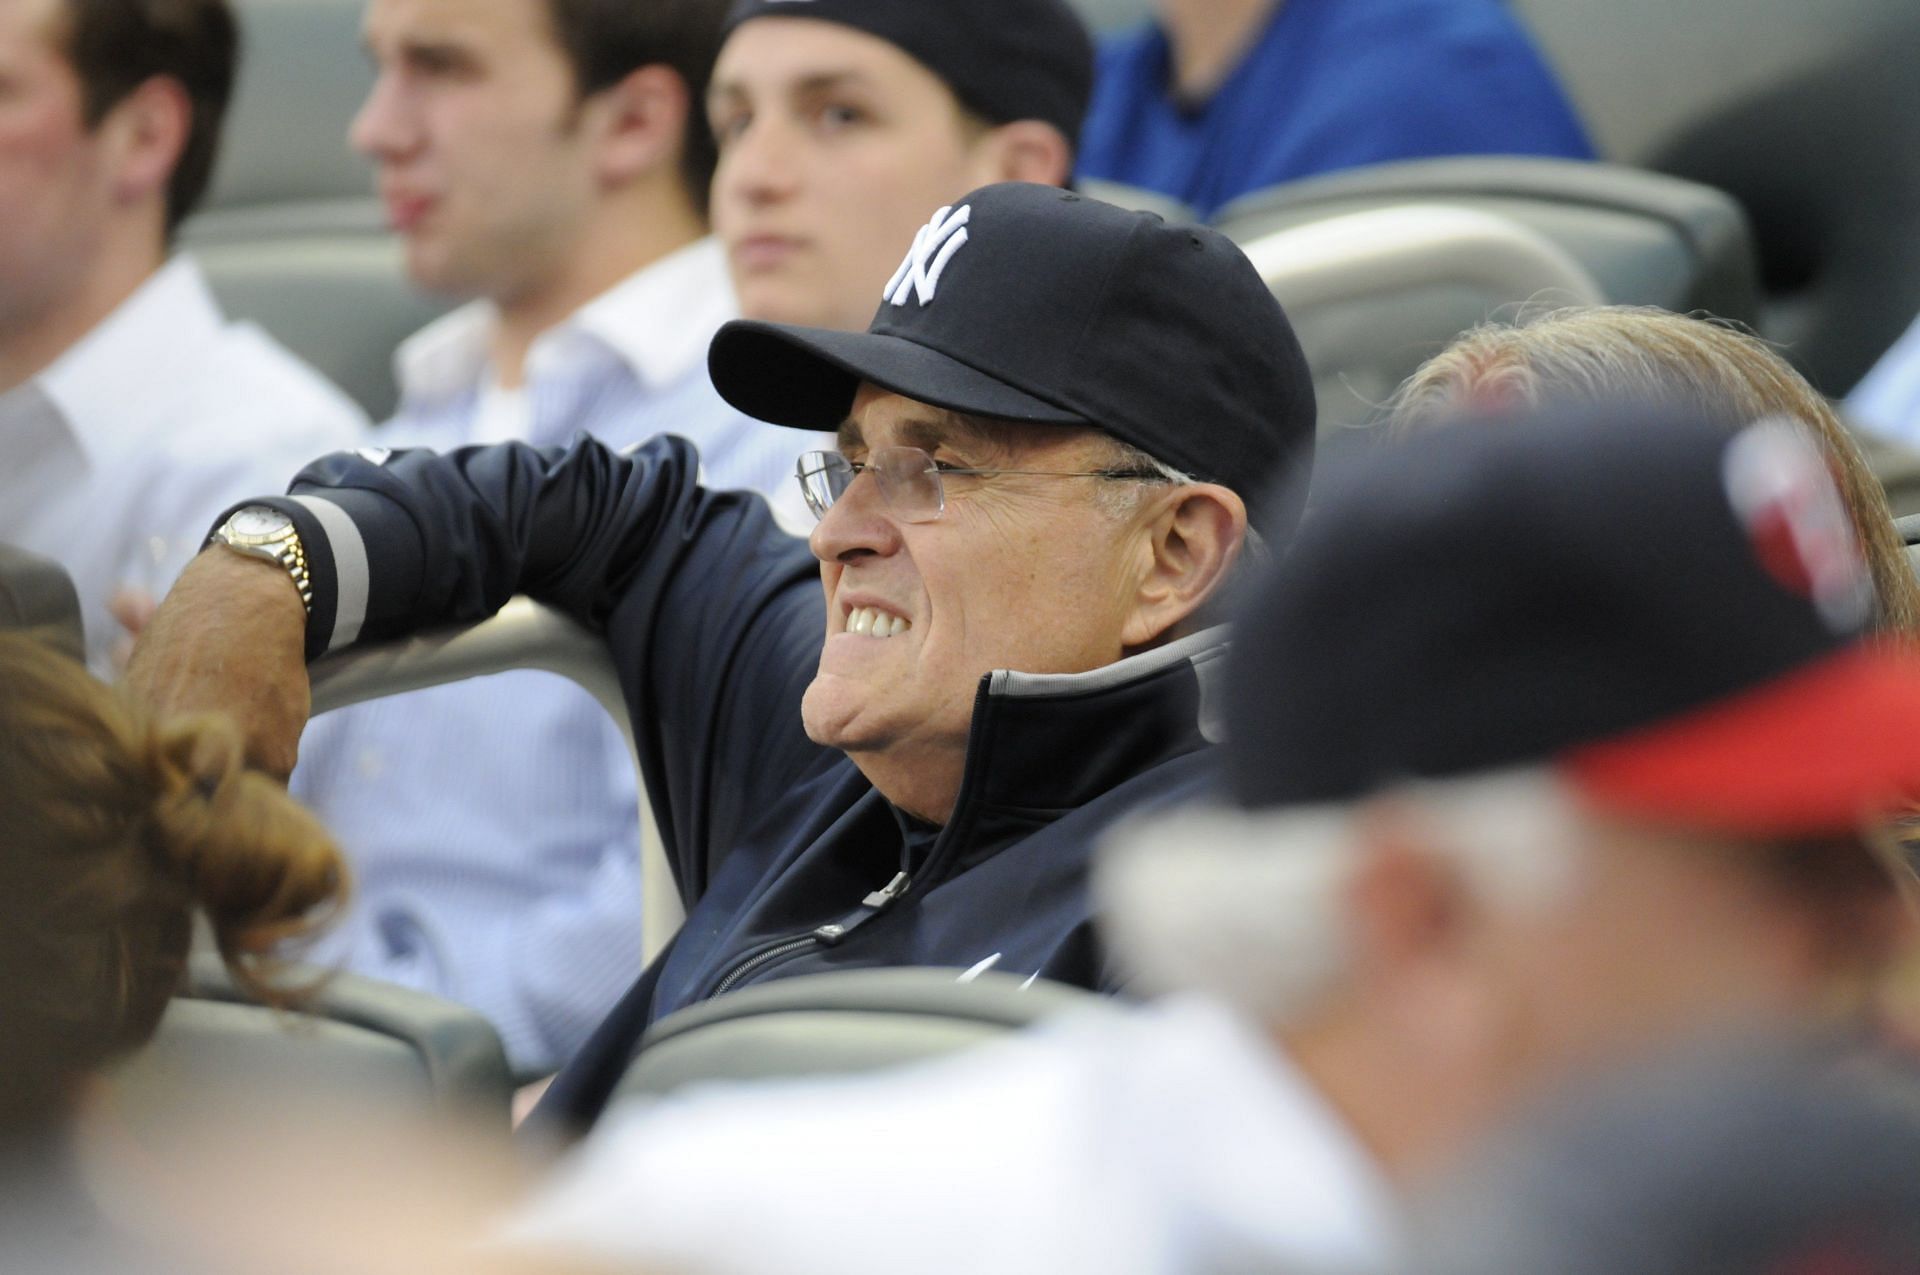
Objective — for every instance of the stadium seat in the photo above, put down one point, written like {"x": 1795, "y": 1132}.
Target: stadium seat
{"x": 1111, "y": 15}
{"x": 1808, "y": 114}
{"x": 1909, "y": 528}
{"x": 859, "y": 1020}
{"x": 1646, "y": 239}
{"x": 302, "y": 78}
{"x": 1137, "y": 198}
{"x": 290, "y": 234}
{"x": 1372, "y": 294}
{"x": 523, "y": 634}
{"x": 340, "y": 301}
{"x": 36, "y": 593}
{"x": 355, "y": 1040}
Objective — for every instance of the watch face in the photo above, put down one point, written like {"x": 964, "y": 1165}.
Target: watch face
{"x": 257, "y": 521}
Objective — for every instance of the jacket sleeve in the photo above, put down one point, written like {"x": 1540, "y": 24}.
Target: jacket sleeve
{"x": 713, "y": 614}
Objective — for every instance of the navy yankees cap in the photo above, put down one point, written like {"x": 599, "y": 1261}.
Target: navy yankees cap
{"x": 1033, "y": 304}
{"x": 1671, "y": 616}
{"x": 1005, "y": 60}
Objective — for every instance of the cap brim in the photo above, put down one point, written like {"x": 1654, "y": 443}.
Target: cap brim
{"x": 1820, "y": 750}
{"x": 806, "y": 377}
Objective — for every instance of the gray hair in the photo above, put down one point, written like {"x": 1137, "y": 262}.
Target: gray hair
{"x": 1248, "y": 907}
{"x": 1120, "y": 500}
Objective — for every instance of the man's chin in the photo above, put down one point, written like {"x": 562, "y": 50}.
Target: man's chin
{"x": 834, "y": 719}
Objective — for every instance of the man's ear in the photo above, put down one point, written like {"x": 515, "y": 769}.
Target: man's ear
{"x": 145, "y": 132}
{"x": 1194, "y": 537}
{"x": 1023, "y": 151}
{"x": 641, "y": 120}
{"x": 1404, "y": 902}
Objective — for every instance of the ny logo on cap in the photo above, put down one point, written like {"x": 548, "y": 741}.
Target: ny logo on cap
{"x": 933, "y": 247}
{"x": 1785, "y": 495}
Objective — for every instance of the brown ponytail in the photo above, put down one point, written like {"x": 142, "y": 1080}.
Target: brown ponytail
{"x": 114, "y": 829}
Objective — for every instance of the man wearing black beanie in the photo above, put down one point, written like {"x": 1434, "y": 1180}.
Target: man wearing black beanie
{"x": 841, "y": 122}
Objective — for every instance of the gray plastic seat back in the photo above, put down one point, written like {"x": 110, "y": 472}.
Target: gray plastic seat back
{"x": 340, "y": 301}
{"x": 357, "y": 1040}
{"x": 1372, "y": 294}
{"x": 1631, "y": 237}
{"x": 1808, "y": 114}
{"x": 302, "y": 78}
{"x": 1137, "y": 198}
{"x": 1909, "y": 529}
{"x": 37, "y": 593}
{"x": 1646, "y": 239}
{"x": 831, "y": 1024}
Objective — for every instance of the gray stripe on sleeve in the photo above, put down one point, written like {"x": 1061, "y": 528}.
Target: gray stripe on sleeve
{"x": 349, "y": 569}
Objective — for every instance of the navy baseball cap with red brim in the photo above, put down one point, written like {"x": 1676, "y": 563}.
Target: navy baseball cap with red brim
{"x": 1672, "y": 618}
{"x": 1033, "y": 304}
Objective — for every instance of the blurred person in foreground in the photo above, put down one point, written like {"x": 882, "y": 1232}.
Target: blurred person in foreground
{"x": 1213, "y": 99}
{"x": 129, "y": 405}
{"x": 896, "y": 743}
{"x": 119, "y": 829}
{"x": 1594, "y": 354}
{"x": 1759, "y": 1154}
{"x": 1545, "y": 747}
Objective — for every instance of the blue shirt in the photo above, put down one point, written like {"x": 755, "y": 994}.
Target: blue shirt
{"x": 492, "y": 824}
{"x": 1328, "y": 84}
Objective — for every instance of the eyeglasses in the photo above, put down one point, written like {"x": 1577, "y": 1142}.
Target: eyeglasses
{"x": 910, "y": 479}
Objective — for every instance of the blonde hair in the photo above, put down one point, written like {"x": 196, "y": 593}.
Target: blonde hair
{"x": 117, "y": 828}
{"x": 1644, "y": 354}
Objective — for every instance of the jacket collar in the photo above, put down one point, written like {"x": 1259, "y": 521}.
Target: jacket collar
{"x": 1048, "y": 743}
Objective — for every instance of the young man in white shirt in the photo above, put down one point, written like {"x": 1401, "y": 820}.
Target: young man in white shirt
{"x": 128, "y": 403}
{"x": 546, "y": 159}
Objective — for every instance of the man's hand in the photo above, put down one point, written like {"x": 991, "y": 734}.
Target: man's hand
{"x": 230, "y": 637}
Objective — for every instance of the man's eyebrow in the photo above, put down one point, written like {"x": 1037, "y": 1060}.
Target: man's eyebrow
{"x": 818, "y": 82}
{"x": 925, "y": 434}
{"x": 821, "y": 81}
{"x": 848, "y": 435}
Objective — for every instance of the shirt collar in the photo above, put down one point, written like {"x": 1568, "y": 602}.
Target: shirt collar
{"x": 656, "y": 322}
{"x": 111, "y": 386}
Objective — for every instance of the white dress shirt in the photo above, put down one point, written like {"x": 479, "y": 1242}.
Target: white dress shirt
{"x": 1173, "y": 1138}
{"x": 115, "y": 459}
{"x": 652, "y": 328}
{"x": 492, "y": 825}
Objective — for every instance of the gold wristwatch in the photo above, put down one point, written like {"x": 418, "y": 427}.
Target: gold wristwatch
{"x": 261, "y": 531}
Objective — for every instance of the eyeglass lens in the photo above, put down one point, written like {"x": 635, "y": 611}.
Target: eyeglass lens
{"x": 909, "y": 481}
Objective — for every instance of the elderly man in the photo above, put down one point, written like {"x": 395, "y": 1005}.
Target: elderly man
{"x": 1046, "y": 442}
{"x": 552, "y": 158}
{"x": 1520, "y": 787}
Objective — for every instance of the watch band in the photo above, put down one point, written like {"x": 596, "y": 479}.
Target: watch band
{"x": 282, "y": 546}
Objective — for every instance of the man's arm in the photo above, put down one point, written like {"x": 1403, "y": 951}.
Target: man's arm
{"x": 711, "y": 611}
{"x": 230, "y": 638}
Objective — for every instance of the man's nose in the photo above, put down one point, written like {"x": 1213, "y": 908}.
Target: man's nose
{"x": 760, "y": 165}
{"x": 856, "y": 525}
{"x": 382, "y": 126}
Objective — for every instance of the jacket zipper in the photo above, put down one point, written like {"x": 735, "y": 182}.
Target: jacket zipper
{"x": 832, "y": 933}
{"x": 754, "y": 962}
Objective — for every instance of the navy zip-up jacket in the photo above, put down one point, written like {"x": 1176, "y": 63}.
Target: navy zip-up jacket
{"x": 787, "y": 859}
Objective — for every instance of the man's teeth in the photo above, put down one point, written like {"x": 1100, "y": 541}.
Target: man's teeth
{"x": 874, "y": 622}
